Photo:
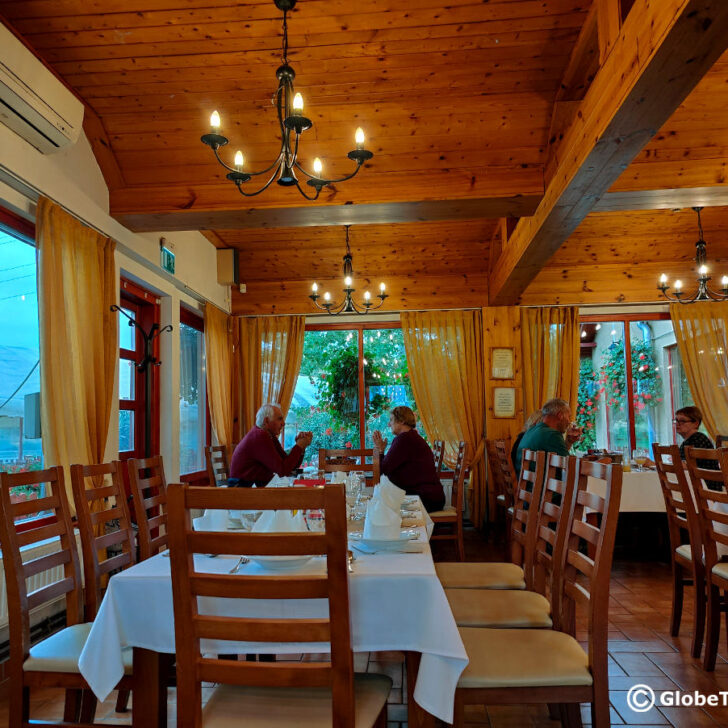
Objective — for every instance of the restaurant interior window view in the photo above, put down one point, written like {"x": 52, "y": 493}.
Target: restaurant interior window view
{"x": 349, "y": 381}
{"x": 631, "y": 382}
{"x": 192, "y": 394}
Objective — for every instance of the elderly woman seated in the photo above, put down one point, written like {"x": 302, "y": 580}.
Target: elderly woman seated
{"x": 409, "y": 463}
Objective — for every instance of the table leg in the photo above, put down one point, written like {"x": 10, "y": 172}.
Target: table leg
{"x": 416, "y": 716}
{"x": 149, "y": 696}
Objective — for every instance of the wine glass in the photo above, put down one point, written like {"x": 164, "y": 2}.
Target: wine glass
{"x": 640, "y": 457}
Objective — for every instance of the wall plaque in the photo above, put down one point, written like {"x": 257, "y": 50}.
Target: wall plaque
{"x": 504, "y": 402}
{"x": 501, "y": 363}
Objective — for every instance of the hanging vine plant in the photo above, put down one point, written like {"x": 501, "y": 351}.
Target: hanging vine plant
{"x": 588, "y": 400}
{"x": 645, "y": 376}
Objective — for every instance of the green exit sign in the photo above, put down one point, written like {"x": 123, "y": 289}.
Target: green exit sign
{"x": 167, "y": 259}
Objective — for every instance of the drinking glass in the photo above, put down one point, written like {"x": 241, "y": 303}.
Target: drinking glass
{"x": 640, "y": 457}
{"x": 315, "y": 520}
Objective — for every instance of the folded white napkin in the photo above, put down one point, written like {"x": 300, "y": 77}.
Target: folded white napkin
{"x": 270, "y": 521}
{"x": 389, "y": 493}
{"x": 381, "y": 522}
{"x": 278, "y": 482}
{"x": 338, "y": 476}
{"x": 211, "y": 520}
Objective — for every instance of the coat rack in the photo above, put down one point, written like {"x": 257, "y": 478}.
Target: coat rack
{"x": 143, "y": 368}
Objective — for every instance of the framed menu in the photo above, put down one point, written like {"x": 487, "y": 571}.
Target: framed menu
{"x": 504, "y": 402}
{"x": 501, "y": 363}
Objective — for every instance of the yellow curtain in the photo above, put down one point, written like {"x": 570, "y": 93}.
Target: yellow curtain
{"x": 78, "y": 337}
{"x": 446, "y": 366}
{"x": 219, "y": 372}
{"x": 701, "y": 330}
{"x": 550, "y": 345}
{"x": 271, "y": 348}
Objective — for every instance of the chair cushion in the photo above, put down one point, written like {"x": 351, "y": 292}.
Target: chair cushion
{"x": 489, "y": 575}
{"x": 60, "y": 651}
{"x": 502, "y": 608}
{"x": 448, "y": 512}
{"x": 231, "y": 705}
{"x": 721, "y": 570}
{"x": 522, "y": 658}
{"x": 685, "y": 551}
{"x": 501, "y": 498}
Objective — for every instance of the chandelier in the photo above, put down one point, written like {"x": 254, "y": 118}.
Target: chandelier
{"x": 292, "y": 123}
{"x": 348, "y": 305}
{"x": 704, "y": 292}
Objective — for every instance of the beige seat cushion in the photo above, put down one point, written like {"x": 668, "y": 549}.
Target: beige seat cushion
{"x": 231, "y": 706}
{"x": 721, "y": 569}
{"x": 501, "y": 608}
{"x": 522, "y": 658}
{"x": 501, "y": 498}
{"x": 685, "y": 551}
{"x": 491, "y": 575}
{"x": 446, "y": 512}
{"x": 60, "y": 651}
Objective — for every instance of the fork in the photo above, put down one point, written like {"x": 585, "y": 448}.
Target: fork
{"x": 241, "y": 561}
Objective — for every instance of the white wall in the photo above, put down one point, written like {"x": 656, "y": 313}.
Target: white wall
{"x": 72, "y": 178}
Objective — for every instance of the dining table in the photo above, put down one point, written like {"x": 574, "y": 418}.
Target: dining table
{"x": 396, "y": 602}
{"x": 641, "y": 491}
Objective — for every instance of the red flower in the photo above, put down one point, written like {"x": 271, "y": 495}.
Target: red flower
{"x": 329, "y": 431}
{"x": 581, "y": 410}
{"x": 348, "y": 444}
{"x": 589, "y": 402}
{"x": 642, "y": 356}
{"x": 647, "y": 396}
{"x": 589, "y": 425}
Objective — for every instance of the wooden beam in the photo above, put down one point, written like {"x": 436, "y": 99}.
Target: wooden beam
{"x": 663, "y": 199}
{"x": 609, "y": 19}
{"x": 342, "y": 214}
{"x": 664, "y": 49}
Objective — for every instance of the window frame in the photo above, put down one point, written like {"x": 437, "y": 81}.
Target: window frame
{"x": 625, "y": 319}
{"x": 196, "y": 320}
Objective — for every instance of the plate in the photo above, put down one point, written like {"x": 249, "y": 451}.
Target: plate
{"x": 377, "y": 545}
{"x": 280, "y": 563}
{"x": 406, "y": 534}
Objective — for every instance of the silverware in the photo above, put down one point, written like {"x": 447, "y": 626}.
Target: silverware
{"x": 241, "y": 561}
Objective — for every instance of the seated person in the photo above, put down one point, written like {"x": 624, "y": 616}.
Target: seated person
{"x": 259, "y": 455}
{"x": 409, "y": 464}
{"x": 687, "y": 421}
{"x": 553, "y": 433}
{"x": 533, "y": 419}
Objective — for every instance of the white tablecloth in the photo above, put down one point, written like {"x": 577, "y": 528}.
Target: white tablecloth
{"x": 396, "y": 603}
{"x": 641, "y": 492}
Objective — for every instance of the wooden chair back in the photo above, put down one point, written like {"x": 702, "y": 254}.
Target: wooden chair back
{"x": 191, "y": 624}
{"x": 218, "y": 469}
{"x": 712, "y": 505}
{"x": 553, "y": 521}
{"x": 345, "y": 460}
{"x": 680, "y": 504}
{"x": 149, "y": 494}
{"x": 584, "y": 579}
{"x": 525, "y": 510}
{"x": 52, "y": 506}
{"x": 720, "y": 440}
{"x": 104, "y": 523}
{"x": 438, "y": 453}
{"x": 501, "y": 468}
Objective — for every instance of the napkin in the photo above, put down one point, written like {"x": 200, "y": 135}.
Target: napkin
{"x": 213, "y": 519}
{"x": 338, "y": 476}
{"x": 270, "y": 521}
{"x": 389, "y": 494}
{"x": 381, "y": 522}
{"x": 277, "y": 482}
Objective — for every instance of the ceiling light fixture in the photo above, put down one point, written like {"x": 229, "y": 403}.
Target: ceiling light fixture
{"x": 348, "y": 305}
{"x": 292, "y": 124}
{"x": 704, "y": 292}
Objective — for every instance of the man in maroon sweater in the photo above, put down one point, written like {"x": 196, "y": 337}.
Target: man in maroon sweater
{"x": 259, "y": 455}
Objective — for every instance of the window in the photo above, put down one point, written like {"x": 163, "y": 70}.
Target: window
{"x": 20, "y": 436}
{"x": 631, "y": 382}
{"x": 350, "y": 379}
{"x": 193, "y": 431}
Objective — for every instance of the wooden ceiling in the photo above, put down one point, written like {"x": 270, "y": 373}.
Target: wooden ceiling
{"x": 473, "y": 111}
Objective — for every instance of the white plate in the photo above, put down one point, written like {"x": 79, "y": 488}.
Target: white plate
{"x": 280, "y": 563}
{"x": 377, "y": 545}
{"x": 406, "y": 534}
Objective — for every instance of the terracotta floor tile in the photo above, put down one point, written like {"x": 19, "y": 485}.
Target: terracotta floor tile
{"x": 618, "y": 699}
{"x": 688, "y": 718}
{"x": 636, "y": 664}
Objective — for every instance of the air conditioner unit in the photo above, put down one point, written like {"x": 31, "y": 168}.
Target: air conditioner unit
{"x": 33, "y": 102}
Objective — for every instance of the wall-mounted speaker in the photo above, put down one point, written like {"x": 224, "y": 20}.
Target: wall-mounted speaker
{"x": 228, "y": 267}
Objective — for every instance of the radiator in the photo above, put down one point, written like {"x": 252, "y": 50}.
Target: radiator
{"x": 36, "y": 582}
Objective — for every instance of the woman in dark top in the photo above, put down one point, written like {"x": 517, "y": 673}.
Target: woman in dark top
{"x": 409, "y": 464}
{"x": 687, "y": 421}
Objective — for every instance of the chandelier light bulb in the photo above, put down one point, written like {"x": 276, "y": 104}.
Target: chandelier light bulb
{"x": 678, "y": 285}
{"x": 359, "y": 138}
{"x": 327, "y": 296}
{"x": 367, "y": 295}
{"x": 297, "y": 104}
{"x": 382, "y": 287}
{"x": 239, "y": 160}
{"x": 314, "y": 287}
{"x": 663, "y": 279}
{"x": 215, "y": 120}
{"x": 724, "y": 281}
{"x": 347, "y": 281}
{"x": 317, "y": 166}
{"x": 703, "y": 270}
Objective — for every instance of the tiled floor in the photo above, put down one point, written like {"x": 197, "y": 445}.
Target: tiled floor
{"x": 641, "y": 651}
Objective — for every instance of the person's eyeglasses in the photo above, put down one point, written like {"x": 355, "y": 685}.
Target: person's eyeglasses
{"x": 681, "y": 422}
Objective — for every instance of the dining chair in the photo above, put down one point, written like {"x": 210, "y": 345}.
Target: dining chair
{"x": 529, "y": 608}
{"x": 527, "y": 666}
{"x": 107, "y": 537}
{"x": 287, "y": 693}
{"x": 149, "y": 496}
{"x": 52, "y": 662}
{"x": 686, "y": 558}
{"x": 218, "y": 469}
{"x": 503, "y": 478}
{"x": 346, "y": 460}
{"x": 438, "y": 453}
{"x": 451, "y": 517}
{"x": 720, "y": 439}
{"x": 712, "y": 507}
{"x": 507, "y": 575}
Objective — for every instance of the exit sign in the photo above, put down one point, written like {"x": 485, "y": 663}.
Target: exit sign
{"x": 167, "y": 259}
